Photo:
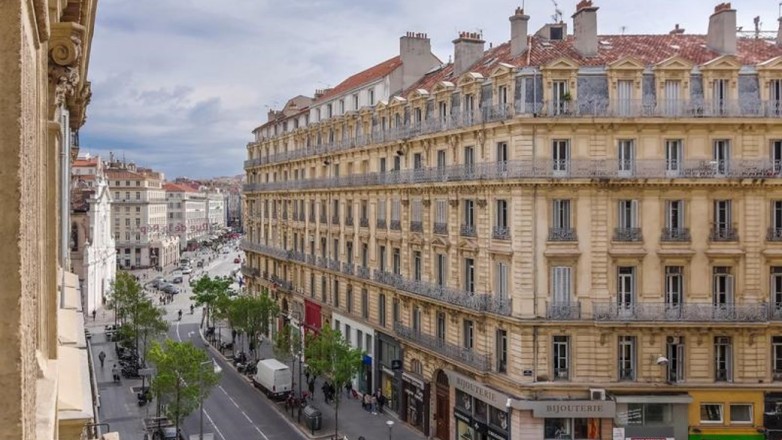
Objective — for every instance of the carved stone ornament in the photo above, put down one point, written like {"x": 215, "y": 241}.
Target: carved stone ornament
{"x": 427, "y": 203}
{"x": 454, "y": 203}
{"x": 481, "y": 203}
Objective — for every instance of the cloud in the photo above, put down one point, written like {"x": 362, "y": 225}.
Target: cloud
{"x": 179, "y": 85}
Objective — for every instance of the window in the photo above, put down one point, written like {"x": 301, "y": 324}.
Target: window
{"x": 381, "y": 258}
{"x": 364, "y": 304}
{"x": 776, "y": 148}
{"x": 674, "y": 221}
{"x": 561, "y": 157}
{"x": 397, "y": 261}
{"x": 723, "y": 358}
{"x": 469, "y": 275}
{"x": 776, "y": 356}
{"x": 441, "y": 327}
{"x": 721, "y": 156}
{"x": 560, "y": 97}
{"x": 341, "y": 106}
{"x": 381, "y": 309}
{"x": 624, "y": 95}
{"x": 395, "y": 311}
{"x": 740, "y": 413}
{"x": 711, "y": 413}
{"x": 722, "y": 289}
{"x": 674, "y": 286}
{"x": 417, "y": 269}
{"x": 626, "y": 156}
{"x": 502, "y": 96}
{"x": 348, "y": 334}
{"x": 364, "y": 254}
{"x": 355, "y": 101}
{"x": 560, "y": 284}
{"x": 443, "y": 111}
{"x": 441, "y": 269}
{"x": 467, "y": 334}
{"x": 723, "y": 218}
{"x": 625, "y": 288}
{"x": 672, "y": 98}
{"x": 502, "y": 156}
{"x": 469, "y": 213}
{"x": 359, "y": 339}
{"x": 501, "y": 280}
{"x": 469, "y": 160}
{"x": 775, "y": 231}
{"x": 560, "y": 221}
{"x": 418, "y": 161}
{"x": 674, "y": 348}
{"x": 349, "y": 299}
{"x": 561, "y": 357}
{"x": 415, "y": 318}
{"x": 501, "y": 351}
{"x": 720, "y": 95}
{"x": 673, "y": 156}
{"x": 626, "y": 357}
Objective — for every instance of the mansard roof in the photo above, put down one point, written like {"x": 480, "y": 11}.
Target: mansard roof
{"x": 364, "y": 77}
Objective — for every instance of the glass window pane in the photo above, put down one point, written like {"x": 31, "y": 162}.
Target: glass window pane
{"x": 741, "y": 413}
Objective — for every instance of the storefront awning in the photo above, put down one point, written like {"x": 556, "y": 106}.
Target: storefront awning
{"x": 654, "y": 398}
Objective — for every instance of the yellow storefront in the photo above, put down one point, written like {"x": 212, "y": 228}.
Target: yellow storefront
{"x": 726, "y": 415}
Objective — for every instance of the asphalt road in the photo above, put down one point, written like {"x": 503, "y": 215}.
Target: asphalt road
{"x": 234, "y": 409}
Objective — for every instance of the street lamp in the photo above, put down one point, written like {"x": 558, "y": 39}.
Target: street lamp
{"x": 390, "y": 424}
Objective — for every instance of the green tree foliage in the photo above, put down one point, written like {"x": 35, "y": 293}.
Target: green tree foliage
{"x": 140, "y": 318}
{"x": 184, "y": 375}
{"x": 207, "y": 291}
{"x": 287, "y": 343}
{"x": 330, "y": 356}
{"x": 125, "y": 293}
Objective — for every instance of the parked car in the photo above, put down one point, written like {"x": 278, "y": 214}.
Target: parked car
{"x": 187, "y": 270}
{"x": 177, "y": 280}
{"x": 157, "y": 282}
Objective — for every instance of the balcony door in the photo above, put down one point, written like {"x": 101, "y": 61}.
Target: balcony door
{"x": 776, "y": 290}
{"x": 626, "y": 156}
{"x": 673, "y": 157}
{"x": 561, "y": 157}
{"x": 775, "y": 97}
{"x": 559, "y": 97}
{"x": 624, "y": 94}
{"x": 672, "y": 103}
{"x": 721, "y": 156}
{"x": 722, "y": 291}
{"x": 720, "y": 96}
{"x": 674, "y": 287}
{"x": 469, "y": 161}
{"x": 625, "y": 290}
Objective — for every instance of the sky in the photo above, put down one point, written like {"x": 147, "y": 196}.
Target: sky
{"x": 178, "y": 85}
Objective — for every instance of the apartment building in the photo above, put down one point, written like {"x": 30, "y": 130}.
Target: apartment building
{"x": 92, "y": 246}
{"x": 563, "y": 236}
{"x": 217, "y": 209}
{"x": 187, "y": 213}
{"x": 140, "y": 217}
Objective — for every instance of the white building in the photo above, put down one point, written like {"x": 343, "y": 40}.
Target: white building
{"x": 216, "y": 205}
{"x": 93, "y": 251}
{"x": 362, "y": 337}
{"x": 139, "y": 218}
{"x": 187, "y": 213}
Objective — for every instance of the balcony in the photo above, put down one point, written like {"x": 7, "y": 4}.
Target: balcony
{"x": 690, "y": 312}
{"x": 440, "y": 228}
{"x": 285, "y": 215}
{"x": 348, "y": 221}
{"x": 626, "y": 374}
{"x": 323, "y": 219}
{"x": 334, "y": 265}
{"x": 723, "y": 233}
{"x": 721, "y": 375}
{"x": 468, "y": 231}
{"x": 335, "y": 220}
{"x": 500, "y": 233}
{"x": 416, "y": 226}
{"x": 561, "y": 374}
{"x": 675, "y": 234}
{"x": 628, "y": 234}
{"x": 396, "y": 225}
{"x": 363, "y": 272}
{"x": 364, "y": 223}
{"x": 481, "y": 302}
{"x": 312, "y": 218}
{"x": 248, "y": 271}
{"x": 562, "y": 234}
{"x": 541, "y": 169}
{"x": 774, "y": 234}
{"x": 322, "y": 262}
{"x": 381, "y": 223}
{"x": 563, "y": 310}
{"x": 464, "y": 356}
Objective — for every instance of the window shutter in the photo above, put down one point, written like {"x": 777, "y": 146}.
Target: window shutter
{"x": 634, "y": 213}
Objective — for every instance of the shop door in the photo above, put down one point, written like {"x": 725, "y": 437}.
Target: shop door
{"x": 443, "y": 407}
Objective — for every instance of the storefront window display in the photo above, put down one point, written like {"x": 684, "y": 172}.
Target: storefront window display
{"x": 572, "y": 429}
{"x": 477, "y": 420}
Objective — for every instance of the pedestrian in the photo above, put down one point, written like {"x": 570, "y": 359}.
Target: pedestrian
{"x": 102, "y": 357}
{"x": 373, "y": 404}
{"x": 311, "y": 387}
{"x": 94, "y": 312}
{"x": 115, "y": 373}
{"x": 325, "y": 389}
{"x": 348, "y": 388}
{"x": 365, "y": 402}
{"x": 307, "y": 374}
{"x": 381, "y": 400}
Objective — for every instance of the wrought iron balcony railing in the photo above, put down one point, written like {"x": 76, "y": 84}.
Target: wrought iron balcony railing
{"x": 250, "y": 271}
{"x": 363, "y": 272}
{"x": 381, "y": 223}
{"x": 688, "y": 312}
{"x": 335, "y": 220}
{"x": 628, "y": 234}
{"x": 468, "y": 231}
{"x": 562, "y": 234}
{"x": 724, "y": 233}
{"x": 774, "y": 234}
{"x": 323, "y": 219}
{"x": 500, "y": 233}
{"x": 395, "y": 225}
{"x": 563, "y": 310}
{"x": 440, "y": 228}
{"x": 675, "y": 234}
{"x": 462, "y": 355}
{"x": 364, "y": 222}
{"x": 348, "y": 221}
{"x": 416, "y": 226}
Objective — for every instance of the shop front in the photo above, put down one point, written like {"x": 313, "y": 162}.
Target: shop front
{"x": 415, "y": 395}
{"x": 361, "y": 337}
{"x": 388, "y": 364}
{"x": 566, "y": 419}
{"x": 772, "y": 416}
{"x": 479, "y": 412}
{"x": 719, "y": 414}
{"x": 652, "y": 416}
{"x": 312, "y": 317}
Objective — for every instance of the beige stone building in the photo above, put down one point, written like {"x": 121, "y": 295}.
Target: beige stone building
{"x": 44, "y": 92}
{"x": 561, "y": 236}
{"x": 139, "y": 217}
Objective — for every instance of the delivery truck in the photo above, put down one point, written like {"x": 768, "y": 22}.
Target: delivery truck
{"x": 273, "y": 378}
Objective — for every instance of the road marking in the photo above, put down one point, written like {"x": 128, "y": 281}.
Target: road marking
{"x": 215, "y": 426}
{"x": 248, "y": 418}
{"x": 261, "y": 432}
{"x": 177, "y": 332}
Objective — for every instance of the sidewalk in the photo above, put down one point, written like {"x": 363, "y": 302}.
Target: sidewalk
{"x": 354, "y": 421}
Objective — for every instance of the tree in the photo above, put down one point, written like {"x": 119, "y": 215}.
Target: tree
{"x": 206, "y": 292}
{"x": 330, "y": 356}
{"x": 184, "y": 376}
{"x": 252, "y": 315}
{"x": 125, "y": 293}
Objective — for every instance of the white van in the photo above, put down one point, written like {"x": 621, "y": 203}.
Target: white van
{"x": 273, "y": 378}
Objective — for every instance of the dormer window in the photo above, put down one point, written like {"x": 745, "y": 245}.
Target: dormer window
{"x": 556, "y": 33}
{"x": 329, "y": 111}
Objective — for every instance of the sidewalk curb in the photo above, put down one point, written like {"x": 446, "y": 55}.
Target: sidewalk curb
{"x": 248, "y": 381}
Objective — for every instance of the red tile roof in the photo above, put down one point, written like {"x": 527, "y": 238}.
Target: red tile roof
{"x": 178, "y": 187}
{"x": 122, "y": 174}
{"x": 373, "y": 73}
{"x": 82, "y": 162}
{"x": 647, "y": 49}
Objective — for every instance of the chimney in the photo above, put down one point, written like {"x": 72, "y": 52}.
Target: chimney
{"x": 779, "y": 32}
{"x": 585, "y": 28}
{"x": 415, "y": 50}
{"x": 518, "y": 32}
{"x": 722, "y": 30}
{"x": 271, "y": 115}
{"x": 676, "y": 30}
{"x": 468, "y": 49}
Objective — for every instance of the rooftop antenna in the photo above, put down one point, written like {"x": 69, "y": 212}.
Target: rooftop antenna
{"x": 557, "y": 17}
{"x": 757, "y": 22}
{"x": 623, "y": 28}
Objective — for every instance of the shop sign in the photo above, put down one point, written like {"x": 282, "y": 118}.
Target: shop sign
{"x": 572, "y": 408}
{"x": 478, "y": 390}
{"x": 412, "y": 380}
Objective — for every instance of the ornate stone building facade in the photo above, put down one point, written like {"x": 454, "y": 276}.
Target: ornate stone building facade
{"x": 551, "y": 238}
{"x": 93, "y": 251}
{"x": 44, "y": 55}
